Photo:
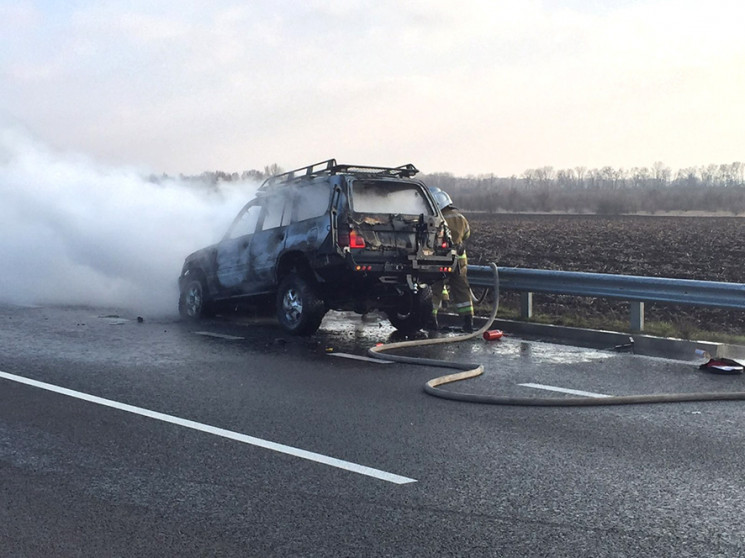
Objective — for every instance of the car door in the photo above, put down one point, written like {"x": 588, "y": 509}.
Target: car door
{"x": 268, "y": 241}
{"x": 310, "y": 219}
{"x": 233, "y": 258}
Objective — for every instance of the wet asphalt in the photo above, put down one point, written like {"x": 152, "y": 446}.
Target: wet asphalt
{"x": 393, "y": 471}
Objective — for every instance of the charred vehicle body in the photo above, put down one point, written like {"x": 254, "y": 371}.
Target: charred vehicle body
{"x": 327, "y": 237}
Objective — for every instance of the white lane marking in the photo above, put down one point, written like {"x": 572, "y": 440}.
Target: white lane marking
{"x": 219, "y": 335}
{"x": 359, "y": 357}
{"x": 565, "y": 390}
{"x": 281, "y": 448}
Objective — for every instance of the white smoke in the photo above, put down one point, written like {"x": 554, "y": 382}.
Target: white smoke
{"x": 75, "y": 232}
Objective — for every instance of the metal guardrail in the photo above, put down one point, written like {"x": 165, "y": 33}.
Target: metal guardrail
{"x": 635, "y": 289}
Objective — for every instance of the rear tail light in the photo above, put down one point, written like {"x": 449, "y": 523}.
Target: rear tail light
{"x": 351, "y": 239}
{"x": 442, "y": 241}
{"x": 356, "y": 240}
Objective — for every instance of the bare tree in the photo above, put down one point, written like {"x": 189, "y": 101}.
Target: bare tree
{"x": 272, "y": 170}
{"x": 661, "y": 173}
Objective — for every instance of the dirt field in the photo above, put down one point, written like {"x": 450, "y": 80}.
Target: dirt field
{"x": 704, "y": 248}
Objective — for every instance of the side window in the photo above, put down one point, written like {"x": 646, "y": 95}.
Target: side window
{"x": 246, "y": 221}
{"x": 312, "y": 200}
{"x": 276, "y": 215}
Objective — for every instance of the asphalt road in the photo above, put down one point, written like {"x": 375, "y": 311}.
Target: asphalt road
{"x": 228, "y": 438}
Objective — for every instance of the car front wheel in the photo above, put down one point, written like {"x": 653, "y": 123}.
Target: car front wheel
{"x": 299, "y": 308}
{"x": 192, "y": 304}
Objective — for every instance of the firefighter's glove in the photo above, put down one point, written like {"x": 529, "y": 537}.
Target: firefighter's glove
{"x": 460, "y": 249}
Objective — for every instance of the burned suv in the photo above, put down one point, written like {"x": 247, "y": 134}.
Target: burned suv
{"x": 327, "y": 237}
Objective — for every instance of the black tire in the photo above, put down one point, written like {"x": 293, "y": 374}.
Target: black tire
{"x": 299, "y": 308}
{"x": 413, "y": 311}
{"x": 192, "y": 301}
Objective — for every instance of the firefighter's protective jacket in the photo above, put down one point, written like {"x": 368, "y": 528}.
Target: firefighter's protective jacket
{"x": 460, "y": 291}
{"x": 458, "y": 224}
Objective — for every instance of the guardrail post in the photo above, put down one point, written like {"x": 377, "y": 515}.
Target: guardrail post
{"x": 526, "y": 305}
{"x": 637, "y": 315}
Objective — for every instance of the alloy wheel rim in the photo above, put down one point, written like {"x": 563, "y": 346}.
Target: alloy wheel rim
{"x": 194, "y": 300}
{"x": 293, "y": 306}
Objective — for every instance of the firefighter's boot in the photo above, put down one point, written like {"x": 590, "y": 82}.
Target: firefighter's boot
{"x": 468, "y": 323}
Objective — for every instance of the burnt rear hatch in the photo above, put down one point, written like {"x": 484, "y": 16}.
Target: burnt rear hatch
{"x": 394, "y": 228}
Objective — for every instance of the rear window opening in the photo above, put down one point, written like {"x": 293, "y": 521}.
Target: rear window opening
{"x": 389, "y": 197}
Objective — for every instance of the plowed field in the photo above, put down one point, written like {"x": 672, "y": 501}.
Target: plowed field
{"x": 703, "y": 248}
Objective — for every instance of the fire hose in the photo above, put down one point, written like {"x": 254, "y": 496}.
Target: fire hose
{"x": 471, "y": 370}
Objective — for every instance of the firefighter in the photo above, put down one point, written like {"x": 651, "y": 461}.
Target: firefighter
{"x": 459, "y": 289}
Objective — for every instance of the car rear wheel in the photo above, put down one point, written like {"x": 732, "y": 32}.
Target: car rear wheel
{"x": 413, "y": 311}
{"x": 299, "y": 308}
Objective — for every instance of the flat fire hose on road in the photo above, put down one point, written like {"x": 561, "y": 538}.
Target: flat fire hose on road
{"x": 470, "y": 370}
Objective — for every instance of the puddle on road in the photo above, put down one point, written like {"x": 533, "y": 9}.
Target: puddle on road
{"x": 549, "y": 353}
{"x": 351, "y": 333}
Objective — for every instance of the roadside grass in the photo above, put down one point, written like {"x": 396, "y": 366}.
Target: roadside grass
{"x": 658, "y": 329}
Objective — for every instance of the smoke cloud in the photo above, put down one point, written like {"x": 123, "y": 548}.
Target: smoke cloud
{"x": 76, "y": 232}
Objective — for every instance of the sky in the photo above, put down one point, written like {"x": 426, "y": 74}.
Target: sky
{"x": 468, "y": 87}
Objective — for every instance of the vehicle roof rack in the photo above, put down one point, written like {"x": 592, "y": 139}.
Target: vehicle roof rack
{"x": 404, "y": 171}
{"x": 330, "y": 167}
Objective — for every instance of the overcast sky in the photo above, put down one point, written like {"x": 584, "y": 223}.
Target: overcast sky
{"x": 469, "y": 87}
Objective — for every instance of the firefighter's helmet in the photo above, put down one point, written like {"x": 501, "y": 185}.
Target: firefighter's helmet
{"x": 441, "y": 197}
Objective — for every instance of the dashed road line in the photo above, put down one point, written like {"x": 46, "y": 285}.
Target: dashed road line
{"x": 219, "y": 335}
{"x": 363, "y": 358}
{"x": 565, "y": 390}
{"x": 280, "y": 448}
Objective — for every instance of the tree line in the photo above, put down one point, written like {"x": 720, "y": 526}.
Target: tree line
{"x": 213, "y": 179}
{"x": 607, "y": 190}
